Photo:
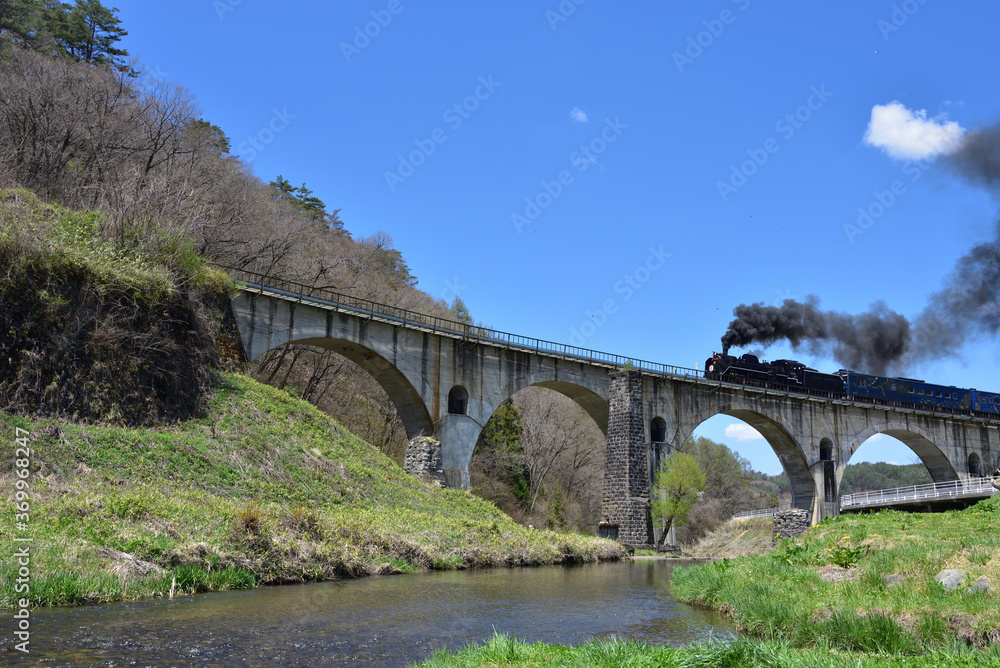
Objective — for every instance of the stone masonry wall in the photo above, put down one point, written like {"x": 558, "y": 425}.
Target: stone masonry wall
{"x": 423, "y": 460}
{"x": 789, "y": 523}
{"x": 625, "y": 501}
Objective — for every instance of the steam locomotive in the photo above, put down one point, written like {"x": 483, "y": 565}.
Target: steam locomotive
{"x": 795, "y": 376}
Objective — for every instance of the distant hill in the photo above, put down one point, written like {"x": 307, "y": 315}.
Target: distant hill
{"x": 866, "y": 476}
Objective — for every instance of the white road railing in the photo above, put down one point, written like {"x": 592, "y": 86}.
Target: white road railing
{"x": 766, "y": 512}
{"x": 955, "y": 489}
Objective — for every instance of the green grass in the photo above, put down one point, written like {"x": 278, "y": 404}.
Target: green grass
{"x": 829, "y": 587}
{"x": 502, "y": 651}
{"x": 265, "y": 489}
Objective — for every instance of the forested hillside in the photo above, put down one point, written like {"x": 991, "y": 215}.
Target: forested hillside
{"x": 119, "y": 176}
{"x": 82, "y": 127}
{"x": 732, "y": 487}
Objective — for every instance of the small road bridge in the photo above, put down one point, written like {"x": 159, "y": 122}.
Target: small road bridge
{"x": 927, "y": 497}
{"x": 446, "y": 379}
{"x": 931, "y": 496}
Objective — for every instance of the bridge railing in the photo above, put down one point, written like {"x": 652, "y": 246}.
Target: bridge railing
{"x": 974, "y": 487}
{"x": 764, "y": 512}
{"x": 366, "y": 307}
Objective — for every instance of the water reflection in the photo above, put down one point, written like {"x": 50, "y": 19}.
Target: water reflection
{"x": 387, "y": 621}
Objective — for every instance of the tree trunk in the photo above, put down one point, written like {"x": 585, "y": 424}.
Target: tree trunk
{"x": 666, "y": 530}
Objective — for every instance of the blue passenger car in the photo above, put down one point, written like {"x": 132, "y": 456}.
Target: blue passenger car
{"x": 986, "y": 402}
{"x": 909, "y": 391}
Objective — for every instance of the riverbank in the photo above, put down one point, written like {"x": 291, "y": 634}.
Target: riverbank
{"x": 264, "y": 489}
{"x": 885, "y": 583}
{"x": 857, "y": 590}
{"x": 502, "y": 650}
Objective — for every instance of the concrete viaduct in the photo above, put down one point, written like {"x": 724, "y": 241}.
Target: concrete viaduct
{"x": 446, "y": 379}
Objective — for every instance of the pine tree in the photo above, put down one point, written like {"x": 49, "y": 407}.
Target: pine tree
{"x": 88, "y": 31}
{"x": 19, "y": 20}
{"x": 460, "y": 311}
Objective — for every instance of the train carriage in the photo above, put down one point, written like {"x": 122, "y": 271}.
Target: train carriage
{"x": 907, "y": 390}
{"x": 986, "y": 402}
{"x": 797, "y": 377}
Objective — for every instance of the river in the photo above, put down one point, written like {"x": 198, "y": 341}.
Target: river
{"x": 379, "y": 621}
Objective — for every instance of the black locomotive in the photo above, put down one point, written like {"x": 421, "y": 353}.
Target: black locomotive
{"x": 780, "y": 373}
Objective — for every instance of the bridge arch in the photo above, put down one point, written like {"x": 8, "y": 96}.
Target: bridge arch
{"x": 916, "y": 439}
{"x": 591, "y": 402}
{"x": 404, "y": 396}
{"x": 588, "y": 398}
{"x": 778, "y": 436}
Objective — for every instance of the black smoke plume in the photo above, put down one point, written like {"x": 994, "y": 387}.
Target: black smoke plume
{"x": 870, "y": 341}
{"x": 881, "y": 340}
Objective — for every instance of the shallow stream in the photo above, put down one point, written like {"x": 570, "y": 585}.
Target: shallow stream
{"x": 379, "y": 621}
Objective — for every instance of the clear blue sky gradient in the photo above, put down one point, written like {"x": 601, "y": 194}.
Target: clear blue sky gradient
{"x": 662, "y": 129}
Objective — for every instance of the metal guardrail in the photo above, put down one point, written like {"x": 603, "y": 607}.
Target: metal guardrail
{"x": 955, "y": 489}
{"x": 766, "y": 512}
{"x": 325, "y": 298}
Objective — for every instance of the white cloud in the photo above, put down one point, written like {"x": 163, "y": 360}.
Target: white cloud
{"x": 909, "y": 135}
{"x": 579, "y": 115}
{"x": 742, "y": 432}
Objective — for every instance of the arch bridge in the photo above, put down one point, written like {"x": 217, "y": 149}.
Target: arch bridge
{"x": 446, "y": 379}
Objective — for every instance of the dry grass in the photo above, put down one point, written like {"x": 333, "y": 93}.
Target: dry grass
{"x": 735, "y": 539}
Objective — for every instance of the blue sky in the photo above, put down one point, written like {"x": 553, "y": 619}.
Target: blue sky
{"x": 545, "y": 159}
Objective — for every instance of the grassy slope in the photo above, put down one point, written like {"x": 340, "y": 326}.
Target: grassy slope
{"x": 802, "y": 593}
{"x": 264, "y": 489}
